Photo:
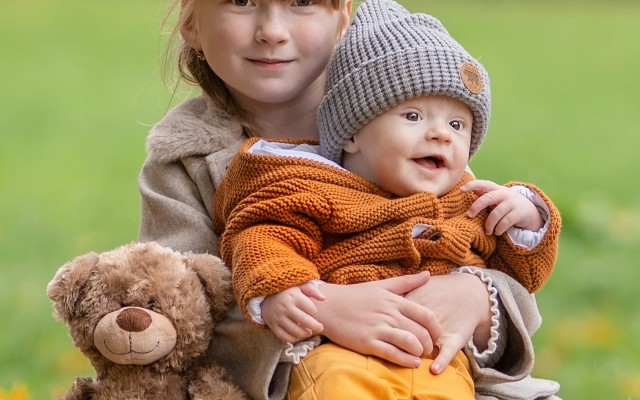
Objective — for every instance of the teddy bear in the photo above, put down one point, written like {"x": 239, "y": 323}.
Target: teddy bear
{"x": 144, "y": 315}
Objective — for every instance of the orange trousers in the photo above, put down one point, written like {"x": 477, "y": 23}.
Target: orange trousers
{"x": 331, "y": 372}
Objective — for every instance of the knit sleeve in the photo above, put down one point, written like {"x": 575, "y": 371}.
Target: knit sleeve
{"x": 531, "y": 267}
{"x": 268, "y": 258}
{"x": 271, "y": 237}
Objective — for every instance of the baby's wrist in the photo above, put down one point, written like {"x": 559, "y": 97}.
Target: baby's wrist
{"x": 254, "y": 308}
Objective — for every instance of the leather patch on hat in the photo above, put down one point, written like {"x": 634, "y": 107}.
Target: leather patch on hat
{"x": 471, "y": 77}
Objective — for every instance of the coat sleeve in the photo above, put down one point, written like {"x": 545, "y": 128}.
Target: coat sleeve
{"x": 174, "y": 208}
{"x": 510, "y": 377}
{"x": 174, "y": 212}
{"x": 531, "y": 267}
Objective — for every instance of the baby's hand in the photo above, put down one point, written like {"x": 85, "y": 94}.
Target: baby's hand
{"x": 508, "y": 208}
{"x": 291, "y": 314}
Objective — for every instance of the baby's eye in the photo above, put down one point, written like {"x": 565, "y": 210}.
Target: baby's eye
{"x": 412, "y": 116}
{"x": 457, "y": 125}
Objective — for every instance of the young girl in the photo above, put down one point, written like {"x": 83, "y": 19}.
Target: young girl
{"x": 261, "y": 66}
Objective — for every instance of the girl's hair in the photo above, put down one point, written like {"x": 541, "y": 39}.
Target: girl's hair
{"x": 197, "y": 72}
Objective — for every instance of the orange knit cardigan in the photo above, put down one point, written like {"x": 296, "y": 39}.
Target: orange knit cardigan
{"x": 285, "y": 221}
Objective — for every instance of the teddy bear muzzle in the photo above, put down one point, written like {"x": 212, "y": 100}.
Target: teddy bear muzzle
{"x": 134, "y": 335}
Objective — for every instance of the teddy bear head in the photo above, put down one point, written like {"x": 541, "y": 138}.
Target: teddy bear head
{"x": 141, "y": 304}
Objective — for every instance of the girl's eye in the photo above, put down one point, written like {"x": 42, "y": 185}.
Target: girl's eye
{"x": 240, "y": 3}
{"x": 412, "y": 116}
{"x": 457, "y": 125}
{"x": 303, "y": 3}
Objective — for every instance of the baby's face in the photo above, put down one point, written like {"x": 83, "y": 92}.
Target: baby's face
{"x": 421, "y": 145}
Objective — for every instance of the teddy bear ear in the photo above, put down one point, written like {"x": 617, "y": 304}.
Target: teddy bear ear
{"x": 216, "y": 278}
{"x": 66, "y": 287}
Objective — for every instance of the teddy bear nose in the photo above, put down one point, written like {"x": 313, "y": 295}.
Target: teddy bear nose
{"x": 133, "y": 320}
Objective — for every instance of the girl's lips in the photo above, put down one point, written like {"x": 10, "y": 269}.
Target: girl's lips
{"x": 269, "y": 62}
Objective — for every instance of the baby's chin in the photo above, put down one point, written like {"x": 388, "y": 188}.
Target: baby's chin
{"x": 438, "y": 189}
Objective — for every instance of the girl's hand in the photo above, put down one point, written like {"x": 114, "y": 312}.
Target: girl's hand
{"x": 509, "y": 208}
{"x": 290, "y": 314}
{"x": 374, "y": 318}
{"x": 461, "y": 303}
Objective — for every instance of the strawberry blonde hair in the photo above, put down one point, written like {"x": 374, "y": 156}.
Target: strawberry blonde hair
{"x": 197, "y": 72}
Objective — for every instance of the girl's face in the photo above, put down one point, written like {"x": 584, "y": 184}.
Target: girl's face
{"x": 421, "y": 145}
{"x": 267, "y": 51}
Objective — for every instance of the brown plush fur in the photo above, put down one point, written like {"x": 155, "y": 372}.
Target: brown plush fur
{"x": 188, "y": 291}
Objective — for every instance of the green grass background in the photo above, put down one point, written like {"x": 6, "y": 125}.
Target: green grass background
{"x": 80, "y": 87}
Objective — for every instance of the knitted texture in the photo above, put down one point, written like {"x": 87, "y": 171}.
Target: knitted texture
{"x": 388, "y": 56}
{"x": 285, "y": 221}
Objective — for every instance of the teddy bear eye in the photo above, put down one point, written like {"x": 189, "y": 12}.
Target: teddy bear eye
{"x": 152, "y": 306}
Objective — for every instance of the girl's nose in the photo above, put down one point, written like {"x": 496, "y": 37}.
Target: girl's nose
{"x": 271, "y": 24}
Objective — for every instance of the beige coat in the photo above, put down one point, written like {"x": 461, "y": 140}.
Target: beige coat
{"x": 189, "y": 151}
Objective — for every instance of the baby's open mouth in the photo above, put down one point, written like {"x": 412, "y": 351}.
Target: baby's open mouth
{"x": 431, "y": 162}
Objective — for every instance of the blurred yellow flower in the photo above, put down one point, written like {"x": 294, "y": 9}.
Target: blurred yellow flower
{"x": 17, "y": 392}
{"x": 624, "y": 225}
{"x": 630, "y": 385}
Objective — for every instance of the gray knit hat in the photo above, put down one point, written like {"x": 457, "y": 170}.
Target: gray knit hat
{"x": 388, "y": 56}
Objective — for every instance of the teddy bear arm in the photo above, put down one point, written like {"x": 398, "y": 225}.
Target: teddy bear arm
{"x": 213, "y": 382}
{"x": 83, "y": 389}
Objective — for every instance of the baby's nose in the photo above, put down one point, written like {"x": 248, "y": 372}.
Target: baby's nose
{"x": 438, "y": 133}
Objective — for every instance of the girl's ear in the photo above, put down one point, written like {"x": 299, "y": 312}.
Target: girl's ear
{"x": 188, "y": 29}
{"x": 345, "y": 16}
{"x": 349, "y": 6}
